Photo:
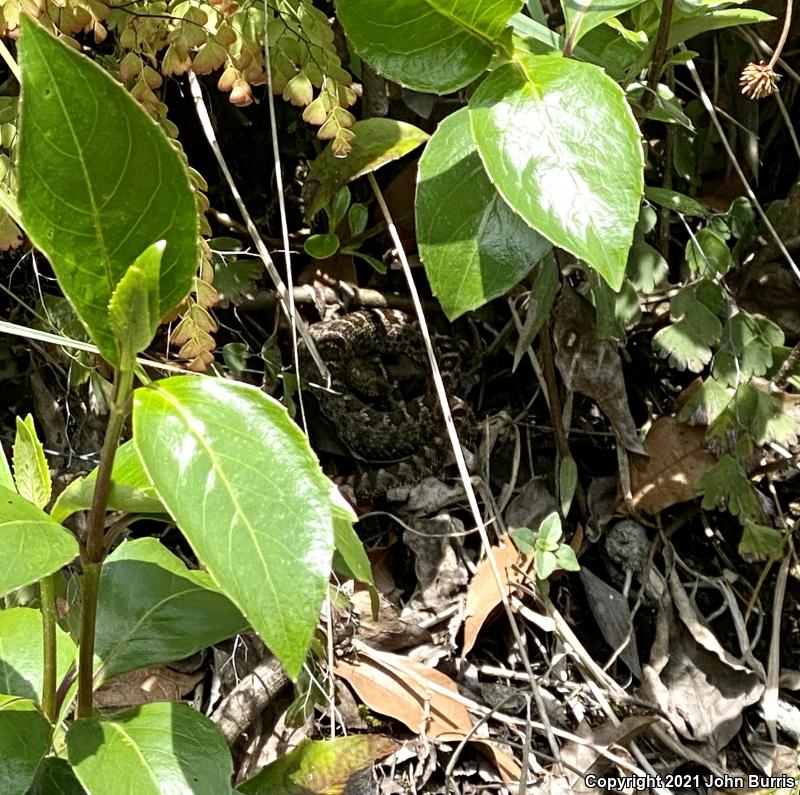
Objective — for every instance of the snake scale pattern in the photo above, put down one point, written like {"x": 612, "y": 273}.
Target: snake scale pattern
{"x": 402, "y": 435}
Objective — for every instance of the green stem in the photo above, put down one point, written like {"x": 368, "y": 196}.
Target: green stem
{"x": 47, "y": 597}
{"x": 95, "y": 547}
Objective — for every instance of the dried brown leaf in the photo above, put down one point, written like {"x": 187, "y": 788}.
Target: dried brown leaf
{"x": 483, "y": 596}
{"x": 677, "y": 458}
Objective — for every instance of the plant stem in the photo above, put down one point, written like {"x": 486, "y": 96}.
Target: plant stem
{"x": 95, "y": 547}
{"x": 47, "y": 597}
{"x": 659, "y": 56}
{"x": 787, "y": 24}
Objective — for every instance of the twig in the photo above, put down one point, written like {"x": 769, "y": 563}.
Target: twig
{"x": 659, "y": 56}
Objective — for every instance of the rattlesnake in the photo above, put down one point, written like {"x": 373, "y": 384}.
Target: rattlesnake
{"x": 383, "y": 416}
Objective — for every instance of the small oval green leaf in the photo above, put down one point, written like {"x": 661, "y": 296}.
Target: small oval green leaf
{"x": 321, "y": 246}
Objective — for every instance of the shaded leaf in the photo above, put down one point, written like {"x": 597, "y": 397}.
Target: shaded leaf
{"x": 151, "y": 745}
{"x": 55, "y": 777}
{"x": 131, "y": 491}
{"x": 680, "y": 202}
{"x": 428, "y": 45}
{"x": 707, "y": 254}
{"x": 695, "y": 328}
{"x": 746, "y": 348}
{"x": 726, "y": 486}
{"x": 584, "y": 15}
{"x": 153, "y": 609}
{"x": 21, "y": 653}
{"x": 24, "y": 740}
{"x": 474, "y": 246}
{"x": 760, "y": 542}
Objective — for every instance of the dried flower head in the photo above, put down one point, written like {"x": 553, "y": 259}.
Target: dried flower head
{"x": 758, "y": 80}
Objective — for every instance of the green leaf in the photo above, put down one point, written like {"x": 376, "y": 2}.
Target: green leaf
{"x": 545, "y": 563}
{"x": 239, "y": 478}
{"x": 24, "y": 740}
{"x": 54, "y": 776}
{"x": 474, "y": 246}
{"x": 6, "y": 478}
{"x": 567, "y": 481}
{"x": 684, "y": 29}
{"x": 757, "y": 412}
{"x": 131, "y": 491}
{"x": 435, "y": 46}
{"x": 706, "y": 404}
{"x": 560, "y": 144}
{"x": 524, "y": 539}
{"x": 357, "y": 218}
{"x": 327, "y": 765}
{"x": 153, "y": 609}
{"x": 32, "y": 545}
{"x": 583, "y": 15}
{"x": 566, "y": 559}
{"x": 99, "y": 182}
{"x": 321, "y": 246}
{"x": 761, "y": 543}
{"x": 726, "y": 485}
{"x": 707, "y": 254}
{"x": 746, "y": 348}
{"x": 21, "y": 652}
{"x": 646, "y": 267}
{"x": 377, "y": 142}
{"x": 155, "y": 745}
{"x": 616, "y": 311}
{"x": 31, "y": 474}
{"x": 350, "y": 553}
{"x": 550, "y": 528}
{"x": 133, "y": 310}
{"x": 338, "y": 208}
{"x": 679, "y": 202}
{"x": 695, "y": 327}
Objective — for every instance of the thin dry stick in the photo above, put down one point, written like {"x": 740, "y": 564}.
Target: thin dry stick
{"x": 287, "y": 256}
{"x": 708, "y": 105}
{"x": 459, "y": 456}
{"x": 280, "y": 287}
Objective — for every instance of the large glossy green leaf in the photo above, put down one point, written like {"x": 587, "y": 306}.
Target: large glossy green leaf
{"x": 474, "y": 246}
{"x": 32, "y": 545}
{"x": 378, "y": 141}
{"x": 152, "y": 749}
{"x": 428, "y": 45}
{"x": 560, "y": 144}
{"x": 241, "y": 481}
{"x": 131, "y": 491}
{"x": 99, "y": 182}
{"x": 584, "y": 15}
{"x": 21, "y": 653}
{"x": 24, "y": 740}
{"x": 152, "y": 609}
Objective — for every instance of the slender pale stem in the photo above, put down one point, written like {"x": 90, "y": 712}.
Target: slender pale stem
{"x": 787, "y": 24}
{"x": 47, "y": 597}
{"x": 95, "y": 550}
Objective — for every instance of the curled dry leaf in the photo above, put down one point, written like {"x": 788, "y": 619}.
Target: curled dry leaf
{"x": 592, "y": 366}
{"x": 677, "y": 458}
{"x": 483, "y": 596}
{"x": 424, "y": 699}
